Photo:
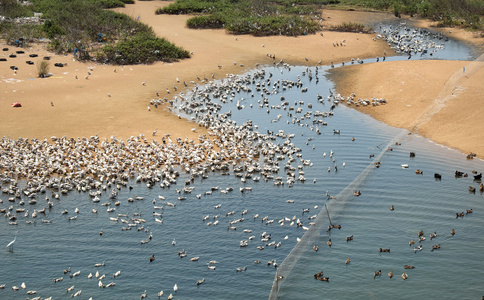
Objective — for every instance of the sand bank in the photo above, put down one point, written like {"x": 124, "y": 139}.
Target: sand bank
{"x": 82, "y": 107}
{"x": 433, "y": 98}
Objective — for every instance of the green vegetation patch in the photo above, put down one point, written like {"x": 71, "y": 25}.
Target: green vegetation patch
{"x": 351, "y": 27}
{"x": 141, "y": 48}
{"x": 87, "y": 29}
{"x": 255, "y": 17}
{"x": 464, "y": 13}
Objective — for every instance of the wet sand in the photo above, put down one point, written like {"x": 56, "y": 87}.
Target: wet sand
{"x": 113, "y": 100}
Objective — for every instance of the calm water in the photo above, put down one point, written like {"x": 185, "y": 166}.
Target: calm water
{"x": 43, "y": 251}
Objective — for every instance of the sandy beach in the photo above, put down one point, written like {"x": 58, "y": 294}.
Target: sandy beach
{"x": 85, "y": 99}
{"x": 436, "y": 99}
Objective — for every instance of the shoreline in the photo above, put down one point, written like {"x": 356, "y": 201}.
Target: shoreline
{"x": 114, "y": 100}
{"x": 83, "y": 107}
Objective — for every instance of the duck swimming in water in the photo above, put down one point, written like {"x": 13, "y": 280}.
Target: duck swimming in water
{"x": 319, "y": 274}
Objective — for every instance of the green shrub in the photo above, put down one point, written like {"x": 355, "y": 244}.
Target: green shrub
{"x": 256, "y": 17}
{"x": 14, "y": 9}
{"x": 114, "y": 3}
{"x": 111, "y": 3}
{"x": 191, "y": 6}
{"x": 351, "y": 27}
{"x": 52, "y": 29}
{"x": 205, "y": 22}
{"x": 141, "y": 48}
{"x": 447, "y": 12}
{"x": 396, "y": 10}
